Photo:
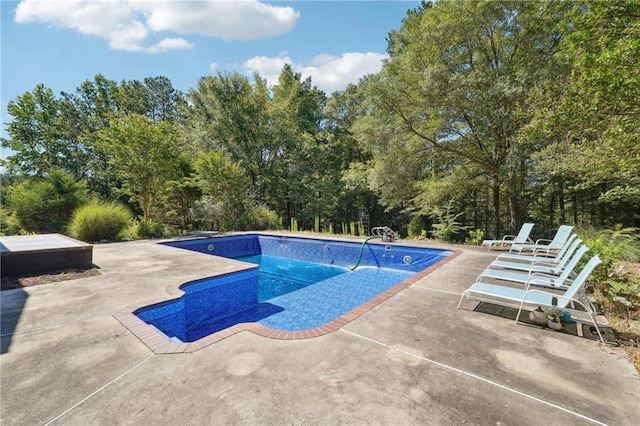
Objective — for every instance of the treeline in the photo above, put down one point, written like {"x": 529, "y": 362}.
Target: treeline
{"x": 486, "y": 114}
{"x": 230, "y": 154}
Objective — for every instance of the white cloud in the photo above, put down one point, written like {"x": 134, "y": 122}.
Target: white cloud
{"x": 111, "y": 20}
{"x": 169, "y": 44}
{"x": 229, "y": 20}
{"x": 329, "y": 73}
{"x": 128, "y": 24}
{"x": 268, "y": 68}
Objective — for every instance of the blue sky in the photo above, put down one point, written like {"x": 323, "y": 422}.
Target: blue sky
{"x": 61, "y": 43}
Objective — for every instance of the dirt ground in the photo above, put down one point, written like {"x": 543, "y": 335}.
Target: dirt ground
{"x": 11, "y": 282}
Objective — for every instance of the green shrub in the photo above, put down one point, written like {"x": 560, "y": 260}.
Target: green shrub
{"x": 206, "y": 213}
{"x": 43, "y": 205}
{"x": 417, "y": 225}
{"x": 330, "y": 230}
{"x": 476, "y": 236}
{"x": 99, "y": 220}
{"x": 447, "y": 228}
{"x": 140, "y": 229}
{"x": 626, "y": 287}
{"x": 9, "y": 224}
{"x": 257, "y": 219}
{"x": 613, "y": 246}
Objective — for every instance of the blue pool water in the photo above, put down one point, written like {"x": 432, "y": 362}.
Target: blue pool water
{"x": 278, "y": 275}
{"x": 299, "y": 283}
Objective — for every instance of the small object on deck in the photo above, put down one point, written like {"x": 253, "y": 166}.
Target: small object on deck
{"x": 553, "y": 323}
{"x": 538, "y": 316}
{"x": 566, "y": 318}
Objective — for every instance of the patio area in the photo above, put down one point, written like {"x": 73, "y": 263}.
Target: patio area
{"x": 414, "y": 359}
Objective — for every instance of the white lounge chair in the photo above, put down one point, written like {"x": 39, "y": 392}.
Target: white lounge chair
{"x": 494, "y": 293}
{"x": 561, "y": 237}
{"x": 541, "y": 256}
{"x": 544, "y": 279}
{"x": 508, "y": 240}
{"x": 544, "y": 265}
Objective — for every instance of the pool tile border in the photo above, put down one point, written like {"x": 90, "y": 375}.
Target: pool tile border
{"x": 159, "y": 344}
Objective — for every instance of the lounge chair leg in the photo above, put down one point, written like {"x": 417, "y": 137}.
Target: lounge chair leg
{"x": 461, "y": 298}
{"x": 519, "y": 311}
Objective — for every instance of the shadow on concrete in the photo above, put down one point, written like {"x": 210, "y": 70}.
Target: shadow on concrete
{"x": 11, "y": 305}
{"x": 575, "y": 327}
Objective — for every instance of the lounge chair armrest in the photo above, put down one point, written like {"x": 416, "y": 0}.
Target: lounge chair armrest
{"x": 542, "y": 274}
{"x": 543, "y": 263}
{"x": 563, "y": 300}
{"x": 509, "y": 237}
{"x": 547, "y": 284}
{"x": 543, "y": 252}
{"x": 542, "y": 240}
{"x": 552, "y": 279}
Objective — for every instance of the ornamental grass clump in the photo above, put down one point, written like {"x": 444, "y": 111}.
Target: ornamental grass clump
{"x": 99, "y": 220}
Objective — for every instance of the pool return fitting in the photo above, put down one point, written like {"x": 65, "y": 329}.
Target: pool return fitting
{"x": 384, "y": 232}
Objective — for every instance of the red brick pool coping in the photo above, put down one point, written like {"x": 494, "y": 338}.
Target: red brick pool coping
{"x": 159, "y": 344}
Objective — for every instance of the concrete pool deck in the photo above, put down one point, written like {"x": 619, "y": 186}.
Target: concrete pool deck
{"x": 415, "y": 359}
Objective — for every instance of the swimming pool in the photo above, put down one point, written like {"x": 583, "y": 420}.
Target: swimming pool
{"x": 303, "y": 287}
{"x": 278, "y": 276}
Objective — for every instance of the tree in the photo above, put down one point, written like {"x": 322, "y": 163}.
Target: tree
{"x": 86, "y": 111}
{"x": 273, "y": 135}
{"x": 458, "y": 82}
{"x": 143, "y": 155}
{"x": 181, "y": 194}
{"x": 132, "y": 98}
{"x": 225, "y": 182}
{"x": 162, "y": 100}
{"x": 350, "y": 193}
{"x": 40, "y": 137}
{"x": 46, "y": 204}
{"x": 592, "y": 113}
{"x": 297, "y": 154}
